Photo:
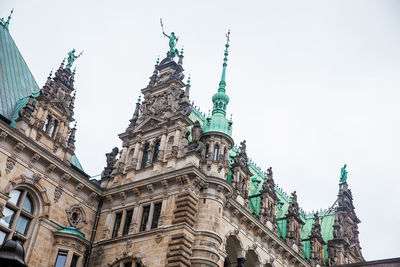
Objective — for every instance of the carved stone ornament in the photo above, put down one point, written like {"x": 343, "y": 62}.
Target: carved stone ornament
{"x": 57, "y": 194}
{"x": 10, "y": 164}
{"x": 76, "y": 216}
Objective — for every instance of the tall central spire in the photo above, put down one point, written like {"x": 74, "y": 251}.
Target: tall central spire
{"x": 220, "y": 99}
{"x": 218, "y": 121}
{"x": 222, "y": 83}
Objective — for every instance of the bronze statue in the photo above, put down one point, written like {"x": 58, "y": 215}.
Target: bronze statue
{"x": 173, "y": 40}
{"x": 343, "y": 175}
{"x": 72, "y": 57}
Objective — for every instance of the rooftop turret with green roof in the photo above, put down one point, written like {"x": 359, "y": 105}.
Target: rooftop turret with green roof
{"x": 217, "y": 121}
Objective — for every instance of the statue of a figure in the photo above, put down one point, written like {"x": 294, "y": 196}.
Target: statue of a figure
{"x": 269, "y": 172}
{"x": 71, "y": 58}
{"x": 243, "y": 146}
{"x": 173, "y": 39}
{"x": 294, "y": 197}
{"x": 111, "y": 159}
{"x": 343, "y": 175}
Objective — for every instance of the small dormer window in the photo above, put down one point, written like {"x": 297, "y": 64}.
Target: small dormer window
{"x": 216, "y": 152}
{"x": 53, "y": 129}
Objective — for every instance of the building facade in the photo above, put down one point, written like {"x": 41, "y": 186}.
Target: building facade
{"x": 178, "y": 191}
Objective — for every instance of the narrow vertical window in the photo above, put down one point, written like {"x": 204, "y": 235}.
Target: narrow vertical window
{"x": 216, "y": 152}
{"x": 224, "y": 155}
{"x": 117, "y": 224}
{"x": 61, "y": 259}
{"x": 156, "y": 215}
{"x": 156, "y": 151}
{"x": 46, "y": 123}
{"x": 128, "y": 221}
{"x": 53, "y": 129}
{"x": 74, "y": 261}
{"x": 145, "y": 218}
{"x": 207, "y": 149}
{"x": 145, "y": 157}
{"x": 128, "y": 264}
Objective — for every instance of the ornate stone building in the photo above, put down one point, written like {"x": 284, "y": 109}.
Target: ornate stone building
{"x": 177, "y": 192}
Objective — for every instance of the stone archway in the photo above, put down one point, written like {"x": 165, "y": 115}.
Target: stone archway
{"x": 234, "y": 252}
{"x": 252, "y": 259}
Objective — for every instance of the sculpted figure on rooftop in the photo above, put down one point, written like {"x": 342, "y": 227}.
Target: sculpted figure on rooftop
{"x": 72, "y": 57}
{"x": 173, "y": 39}
{"x": 343, "y": 175}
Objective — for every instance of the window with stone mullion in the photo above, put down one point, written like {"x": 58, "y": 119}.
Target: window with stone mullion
{"x": 21, "y": 216}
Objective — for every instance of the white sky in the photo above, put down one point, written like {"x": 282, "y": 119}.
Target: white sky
{"x": 313, "y": 85}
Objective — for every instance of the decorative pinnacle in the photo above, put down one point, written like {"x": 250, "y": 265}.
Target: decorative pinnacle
{"x": 139, "y": 99}
{"x": 75, "y": 124}
{"x": 74, "y": 71}
{"x": 182, "y": 51}
{"x": 9, "y": 18}
{"x": 222, "y": 83}
{"x": 158, "y": 60}
{"x": 188, "y": 80}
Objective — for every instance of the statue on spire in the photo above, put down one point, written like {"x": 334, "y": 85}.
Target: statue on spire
{"x": 72, "y": 57}
{"x": 343, "y": 175}
{"x": 173, "y": 40}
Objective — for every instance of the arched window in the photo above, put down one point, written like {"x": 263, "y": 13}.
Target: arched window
{"x": 53, "y": 129}
{"x": 18, "y": 215}
{"x": 47, "y": 123}
{"x": 145, "y": 157}
{"x": 156, "y": 151}
{"x": 216, "y": 152}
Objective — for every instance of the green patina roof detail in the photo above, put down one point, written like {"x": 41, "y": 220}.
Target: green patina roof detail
{"x": 71, "y": 230}
{"x": 21, "y": 104}
{"x": 16, "y": 80}
{"x": 218, "y": 122}
{"x": 76, "y": 163}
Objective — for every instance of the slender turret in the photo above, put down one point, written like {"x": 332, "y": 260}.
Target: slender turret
{"x": 218, "y": 122}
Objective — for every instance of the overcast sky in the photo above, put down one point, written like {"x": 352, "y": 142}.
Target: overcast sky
{"x": 313, "y": 85}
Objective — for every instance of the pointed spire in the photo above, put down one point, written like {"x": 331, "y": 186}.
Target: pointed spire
{"x": 218, "y": 121}
{"x": 135, "y": 115}
{"x": 9, "y": 19}
{"x": 222, "y": 83}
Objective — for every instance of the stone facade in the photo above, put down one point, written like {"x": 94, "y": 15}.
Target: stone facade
{"x": 164, "y": 199}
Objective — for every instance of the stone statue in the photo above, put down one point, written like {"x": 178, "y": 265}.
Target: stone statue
{"x": 343, "y": 175}
{"x": 173, "y": 39}
{"x": 269, "y": 172}
{"x": 72, "y": 57}
{"x": 243, "y": 146}
{"x": 111, "y": 159}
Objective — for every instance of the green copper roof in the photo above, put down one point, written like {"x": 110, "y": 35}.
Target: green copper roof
{"x": 76, "y": 163}
{"x": 218, "y": 122}
{"x": 16, "y": 80}
{"x": 71, "y": 230}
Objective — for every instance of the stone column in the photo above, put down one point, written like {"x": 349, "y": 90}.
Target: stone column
{"x": 135, "y": 217}
{"x": 121, "y": 226}
{"x": 175, "y": 146}
{"x": 148, "y": 225}
{"x": 50, "y": 125}
{"x": 162, "y": 147}
{"x": 139, "y": 156}
{"x": 135, "y": 155}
